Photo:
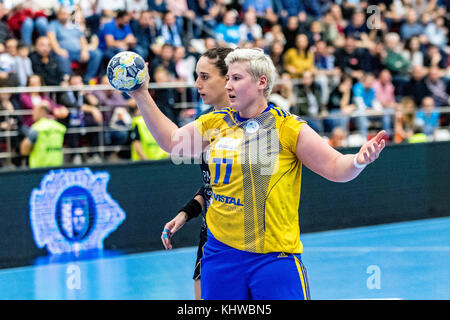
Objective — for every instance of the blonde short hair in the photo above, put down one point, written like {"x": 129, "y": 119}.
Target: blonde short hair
{"x": 258, "y": 64}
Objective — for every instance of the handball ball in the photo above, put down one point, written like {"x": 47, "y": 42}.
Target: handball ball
{"x": 126, "y": 71}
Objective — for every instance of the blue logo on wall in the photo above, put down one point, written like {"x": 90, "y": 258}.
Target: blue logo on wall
{"x": 72, "y": 211}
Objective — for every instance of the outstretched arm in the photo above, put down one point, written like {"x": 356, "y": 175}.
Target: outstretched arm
{"x": 329, "y": 163}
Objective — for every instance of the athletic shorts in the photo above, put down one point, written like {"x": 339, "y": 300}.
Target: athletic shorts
{"x": 232, "y": 274}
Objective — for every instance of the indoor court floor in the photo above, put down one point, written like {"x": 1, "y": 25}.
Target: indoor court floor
{"x": 407, "y": 260}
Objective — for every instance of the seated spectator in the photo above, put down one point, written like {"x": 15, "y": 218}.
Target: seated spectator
{"x": 5, "y": 31}
{"x": 309, "y": 103}
{"x": 181, "y": 11}
{"x": 375, "y": 56}
{"x": 300, "y": 59}
{"x": 276, "y": 54}
{"x": 352, "y": 60}
{"x": 438, "y": 88}
{"x": 404, "y": 120}
{"x": 364, "y": 97}
{"x": 30, "y": 100}
{"x": 327, "y": 75}
{"x": 116, "y": 36}
{"x": 384, "y": 94}
{"x": 437, "y": 33}
{"x": 291, "y": 30}
{"x": 411, "y": 27}
{"x": 68, "y": 42}
{"x": 146, "y": 33}
{"x": 44, "y": 141}
{"x": 413, "y": 52}
{"x": 434, "y": 57}
{"x": 416, "y": 87}
{"x": 330, "y": 28}
{"x": 338, "y": 17}
{"x": 340, "y": 106}
{"x": 315, "y": 34}
{"x": 118, "y": 121}
{"x": 170, "y": 32}
{"x": 23, "y": 65}
{"x": 164, "y": 97}
{"x": 357, "y": 28}
{"x": 143, "y": 145}
{"x": 185, "y": 66}
{"x": 83, "y": 113}
{"x": 393, "y": 58}
{"x": 45, "y": 64}
{"x": 201, "y": 17}
{"x": 282, "y": 93}
{"x": 275, "y": 34}
{"x": 427, "y": 117}
{"x": 264, "y": 11}
{"x": 8, "y": 68}
{"x": 227, "y": 32}
{"x": 23, "y": 20}
{"x": 249, "y": 29}
{"x": 166, "y": 60}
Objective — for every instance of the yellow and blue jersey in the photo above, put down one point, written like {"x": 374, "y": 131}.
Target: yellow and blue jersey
{"x": 256, "y": 179}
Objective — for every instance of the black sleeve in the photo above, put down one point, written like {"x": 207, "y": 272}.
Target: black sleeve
{"x": 66, "y": 101}
{"x": 134, "y": 134}
{"x": 32, "y": 135}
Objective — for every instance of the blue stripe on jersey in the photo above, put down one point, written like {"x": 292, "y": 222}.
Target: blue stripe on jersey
{"x": 278, "y": 111}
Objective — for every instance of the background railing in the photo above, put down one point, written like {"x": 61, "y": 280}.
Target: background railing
{"x": 8, "y": 152}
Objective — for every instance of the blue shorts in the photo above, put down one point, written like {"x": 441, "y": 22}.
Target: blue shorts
{"x": 232, "y": 274}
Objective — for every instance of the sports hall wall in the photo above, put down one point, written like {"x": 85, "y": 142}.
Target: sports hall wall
{"x": 407, "y": 182}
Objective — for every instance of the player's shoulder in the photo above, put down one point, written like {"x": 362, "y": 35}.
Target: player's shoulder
{"x": 214, "y": 115}
{"x": 284, "y": 116}
{"x": 206, "y": 111}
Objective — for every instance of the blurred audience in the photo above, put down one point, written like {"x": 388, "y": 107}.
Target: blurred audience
{"x": 337, "y": 66}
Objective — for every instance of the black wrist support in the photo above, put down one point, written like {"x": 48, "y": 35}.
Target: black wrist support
{"x": 193, "y": 208}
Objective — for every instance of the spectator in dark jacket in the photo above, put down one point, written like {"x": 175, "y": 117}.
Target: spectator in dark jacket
{"x": 416, "y": 87}
{"x": 44, "y": 63}
{"x": 351, "y": 59}
{"x": 145, "y": 32}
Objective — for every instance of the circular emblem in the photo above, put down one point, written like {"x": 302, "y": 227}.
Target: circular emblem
{"x": 75, "y": 213}
{"x": 252, "y": 126}
{"x": 72, "y": 211}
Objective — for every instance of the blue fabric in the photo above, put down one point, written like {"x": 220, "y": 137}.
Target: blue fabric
{"x": 232, "y": 274}
{"x": 111, "y": 29}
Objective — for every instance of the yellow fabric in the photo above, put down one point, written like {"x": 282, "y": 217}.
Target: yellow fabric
{"x": 256, "y": 178}
{"x": 300, "y": 62}
{"x": 149, "y": 145}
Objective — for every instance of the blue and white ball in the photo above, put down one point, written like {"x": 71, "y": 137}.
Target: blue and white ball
{"x": 126, "y": 71}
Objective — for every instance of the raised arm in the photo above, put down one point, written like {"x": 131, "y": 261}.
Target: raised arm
{"x": 329, "y": 163}
{"x": 185, "y": 141}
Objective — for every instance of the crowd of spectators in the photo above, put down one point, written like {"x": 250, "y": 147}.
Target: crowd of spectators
{"x": 335, "y": 60}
